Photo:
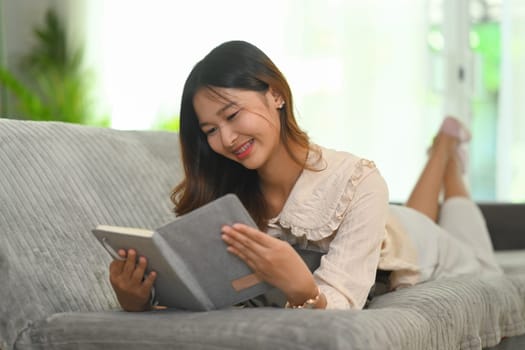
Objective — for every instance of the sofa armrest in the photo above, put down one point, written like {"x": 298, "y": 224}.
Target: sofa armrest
{"x": 506, "y": 224}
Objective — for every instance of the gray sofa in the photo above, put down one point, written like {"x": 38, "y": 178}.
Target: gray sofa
{"x": 58, "y": 181}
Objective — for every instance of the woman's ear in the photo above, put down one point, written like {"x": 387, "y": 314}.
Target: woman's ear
{"x": 277, "y": 98}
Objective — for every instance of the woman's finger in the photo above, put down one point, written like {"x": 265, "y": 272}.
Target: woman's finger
{"x": 251, "y": 264}
{"x": 140, "y": 269}
{"x": 130, "y": 263}
{"x": 242, "y": 238}
{"x": 249, "y": 249}
{"x": 122, "y": 253}
{"x": 254, "y": 234}
{"x": 149, "y": 280}
{"x": 116, "y": 266}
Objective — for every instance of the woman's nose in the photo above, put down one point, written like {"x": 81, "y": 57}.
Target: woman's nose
{"x": 228, "y": 136}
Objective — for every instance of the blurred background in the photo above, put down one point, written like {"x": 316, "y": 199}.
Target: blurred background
{"x": 374, "y": 77}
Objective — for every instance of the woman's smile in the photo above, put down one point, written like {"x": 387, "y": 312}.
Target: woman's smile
{"x": 245, "y": 150}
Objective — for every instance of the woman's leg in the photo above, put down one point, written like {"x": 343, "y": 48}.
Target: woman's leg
{"x": 453, "y": 183}
{"x": 461, "y": 232}
{"x": 462, "y": 218}
{"x": 439, "y": 171}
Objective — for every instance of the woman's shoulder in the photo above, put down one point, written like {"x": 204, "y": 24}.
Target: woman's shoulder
{"x": 324, "y": 192}
{"x": 324, "y": 163}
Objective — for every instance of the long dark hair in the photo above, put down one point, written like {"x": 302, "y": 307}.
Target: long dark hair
{"x": 208, "y": 175}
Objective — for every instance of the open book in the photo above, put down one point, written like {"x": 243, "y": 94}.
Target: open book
{"x": 194, "y": 269}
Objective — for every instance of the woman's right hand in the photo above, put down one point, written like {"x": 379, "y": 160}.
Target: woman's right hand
{"x": 127, "y": 278}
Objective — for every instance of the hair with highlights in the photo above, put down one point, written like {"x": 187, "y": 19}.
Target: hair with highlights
{"x": 208, "y": 175}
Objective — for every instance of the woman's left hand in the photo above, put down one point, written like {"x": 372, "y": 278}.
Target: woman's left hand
{"x": 273, "y": 260}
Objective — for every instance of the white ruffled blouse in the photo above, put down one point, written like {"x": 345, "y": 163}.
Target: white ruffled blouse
{"x": 340, "y": 207}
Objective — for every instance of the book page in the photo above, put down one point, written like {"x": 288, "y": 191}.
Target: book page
{"x": 132, "y": 231}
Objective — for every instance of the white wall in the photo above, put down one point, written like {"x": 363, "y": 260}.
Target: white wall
{"x": 358, "y": 73}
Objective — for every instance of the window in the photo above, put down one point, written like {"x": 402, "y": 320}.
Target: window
{"x": 493, "y": 53}
{"x": 369, "y": 77}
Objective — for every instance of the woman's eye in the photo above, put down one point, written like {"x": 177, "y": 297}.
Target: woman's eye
{"x": 231, "y": 116}
{"x": 210, "y": 131}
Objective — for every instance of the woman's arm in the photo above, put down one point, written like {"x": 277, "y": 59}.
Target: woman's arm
{"x": 348, "y": 269}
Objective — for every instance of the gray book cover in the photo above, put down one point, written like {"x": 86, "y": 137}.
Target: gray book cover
{"x": 194, "y": 269}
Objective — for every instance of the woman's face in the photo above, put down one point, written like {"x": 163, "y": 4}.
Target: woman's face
{"x": 241, "y": 125}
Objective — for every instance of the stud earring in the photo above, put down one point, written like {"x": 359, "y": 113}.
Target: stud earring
{"x": 281, "y": 105}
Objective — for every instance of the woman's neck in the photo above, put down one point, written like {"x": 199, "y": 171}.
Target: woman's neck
{"x": 278, "y": 178}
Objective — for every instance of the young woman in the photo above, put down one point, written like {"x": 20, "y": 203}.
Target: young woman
{"x": 238, "y": 135}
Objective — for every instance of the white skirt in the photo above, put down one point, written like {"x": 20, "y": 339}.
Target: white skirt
{"x": 458, "y": 244}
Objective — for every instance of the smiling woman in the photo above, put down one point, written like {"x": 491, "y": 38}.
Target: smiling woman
{"x": 239, "y": 135}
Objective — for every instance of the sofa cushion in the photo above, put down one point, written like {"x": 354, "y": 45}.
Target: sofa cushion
{"x": 58, "y": 181}
{"x": 506, "y": 225}
{"x": 463, "y": 314}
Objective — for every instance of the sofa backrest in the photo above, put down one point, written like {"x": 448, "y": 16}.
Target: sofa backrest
{"x": 57, "y": 182}
{"x": 506, "y": 224}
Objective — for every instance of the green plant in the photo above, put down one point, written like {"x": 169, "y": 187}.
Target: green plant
{"x": 55, "y": 86}
{"x": 29, "y": 104}
{"x": 169, "y": 124}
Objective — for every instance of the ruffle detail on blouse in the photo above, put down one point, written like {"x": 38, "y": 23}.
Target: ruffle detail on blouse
{"x": 311, "y": 211}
